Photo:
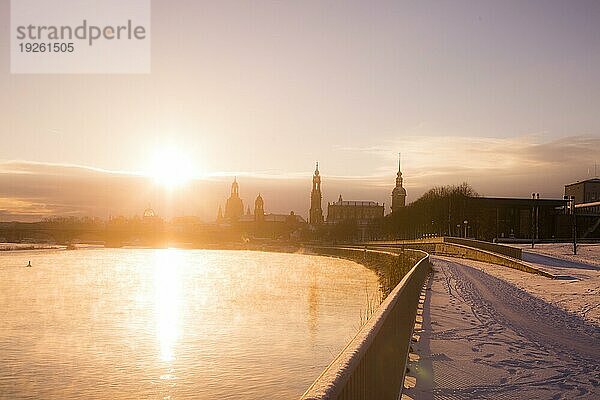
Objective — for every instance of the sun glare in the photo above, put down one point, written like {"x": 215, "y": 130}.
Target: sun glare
{"x": 171, "y": 168}
{"x": 167, "y": 283}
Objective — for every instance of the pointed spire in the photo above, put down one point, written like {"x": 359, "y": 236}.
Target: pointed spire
{"x": 399, "y": 162}
{"x": 317, "y": 169}
{"x": 235, "y": 187}
{"x": 399, "y": 174}
{"x": 398, "y": 193}
{"x": 399, "y": 165}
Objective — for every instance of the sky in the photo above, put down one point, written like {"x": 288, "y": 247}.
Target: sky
{"x": 501, "y": 94}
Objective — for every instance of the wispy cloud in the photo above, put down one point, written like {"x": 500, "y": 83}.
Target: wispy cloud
{"x": 513, "y": 166}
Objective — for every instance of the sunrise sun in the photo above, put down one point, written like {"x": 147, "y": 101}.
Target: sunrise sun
{"x": 171, "y": 168}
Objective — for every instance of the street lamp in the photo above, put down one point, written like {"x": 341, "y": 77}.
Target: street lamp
{"x": 574, "y": 225}
{"x": 570, "y": 209}
{"x": 466, "y": 225}
{"x": 534, "y": 218}
{"x": 537, "y": 217}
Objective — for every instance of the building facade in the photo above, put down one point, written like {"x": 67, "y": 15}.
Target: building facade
{"x": 315, "y": 214}
{"x": 587, "y": 191}
{"x": 355, "y": 220}
{"x": 490, "y": 218}
{"x": 343, "y": 210}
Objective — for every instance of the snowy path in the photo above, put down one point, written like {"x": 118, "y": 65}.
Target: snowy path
{"x": 485, "y": 338}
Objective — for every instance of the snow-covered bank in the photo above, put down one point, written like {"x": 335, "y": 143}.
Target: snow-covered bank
{"x": 578, "y": 290}
{"x": 586, "y": 253}
{"x": 484, "y": 338}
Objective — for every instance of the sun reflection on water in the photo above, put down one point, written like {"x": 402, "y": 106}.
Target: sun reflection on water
{"x": 167, "y": 284}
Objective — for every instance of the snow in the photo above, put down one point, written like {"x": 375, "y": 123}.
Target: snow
{"x": 577, "y": 291}
{"x": 587, "y": 253}
{"x": 578, "y": 288}
{"x": 27, "y": 246}
{"x": 492, "y": 332}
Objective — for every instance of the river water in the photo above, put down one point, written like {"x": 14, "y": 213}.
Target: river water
{"x": 173, "y": 324}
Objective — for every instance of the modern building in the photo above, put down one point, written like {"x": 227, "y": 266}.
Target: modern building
{"x": 234, "y": 208}
{"x": 315, "y": 214}
{"x": 398, "y": 193}
{"x": 587, "y": 191}
{"x": 500, "y": 218}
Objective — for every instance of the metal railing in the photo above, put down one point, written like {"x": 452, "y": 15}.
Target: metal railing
{"x": 373, "y": 364}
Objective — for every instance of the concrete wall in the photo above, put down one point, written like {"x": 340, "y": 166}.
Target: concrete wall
{"x": 462, "y": 251}
{"x": 509, "y": 251}
{"x": 373, "y": 364}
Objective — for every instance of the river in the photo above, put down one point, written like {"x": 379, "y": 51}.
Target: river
{"x": 174, "y": 324}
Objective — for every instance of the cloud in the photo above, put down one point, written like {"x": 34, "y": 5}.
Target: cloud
{"x": 512, "y": 166}
{"x": 11, "y": 206}
{"x": 31, "y": 191}
{"x": 506, "y": 167}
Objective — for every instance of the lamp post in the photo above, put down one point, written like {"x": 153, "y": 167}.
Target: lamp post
{"x": 534, "y": 218}
{"x": 537, "y": 217}
{"x": 466, "y": 225}
{"x": 570, "y": 209}
{"x": 574, "y": 225}
{"x": 497, "y": 225}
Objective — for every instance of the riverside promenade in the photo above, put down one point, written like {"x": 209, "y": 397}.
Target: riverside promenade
{"x": 482, "y": 337}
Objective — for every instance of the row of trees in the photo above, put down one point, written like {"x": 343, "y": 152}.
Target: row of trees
{"x": 440, "y": 211}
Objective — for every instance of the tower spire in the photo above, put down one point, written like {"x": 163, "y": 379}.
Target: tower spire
{"x": 398, "y": 193}
{"x": 399, "y": 162}
{"x": 316, "y": 212}
{"x": 399, "y": 175}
